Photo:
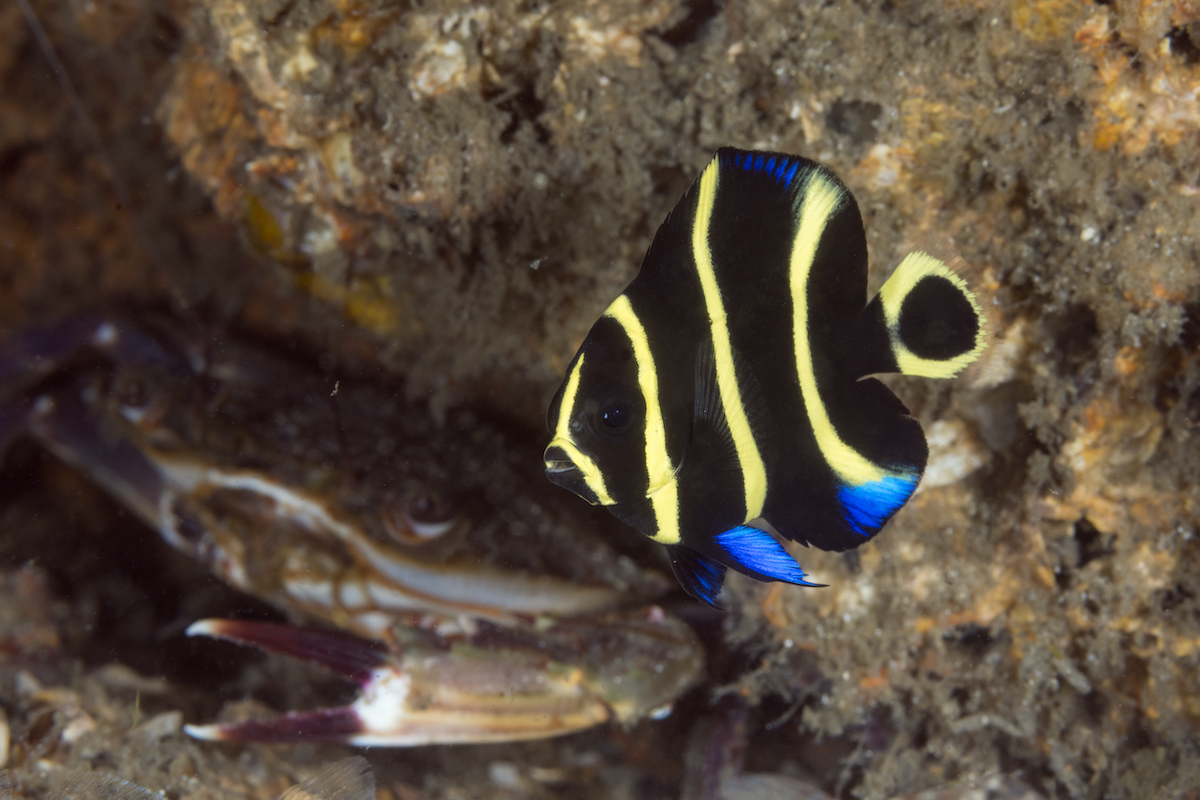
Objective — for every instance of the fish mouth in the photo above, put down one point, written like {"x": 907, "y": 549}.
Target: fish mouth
{"x": 558, "y": 462}
{"x": 559, "y": 466}
{"x": 563, "y": 472}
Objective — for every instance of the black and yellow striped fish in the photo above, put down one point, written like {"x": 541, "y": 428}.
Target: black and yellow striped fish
{"x": 726, "y": 386}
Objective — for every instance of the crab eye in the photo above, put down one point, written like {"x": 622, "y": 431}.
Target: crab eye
{"x": 429, "y": 515}
{"x": 419, "y": 516}
{"x": 138, "y": 399}
{"x": 132, "y": 393}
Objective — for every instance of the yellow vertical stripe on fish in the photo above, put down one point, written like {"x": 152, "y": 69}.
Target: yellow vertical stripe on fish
{"x": 915, "y": 266}
{"x": 661, "y": 487}
{"x": 754, "y": 471}
{"x": 820, "y": 201}
{"x": 562, "y": 438}
{"x": 665, "y": 503}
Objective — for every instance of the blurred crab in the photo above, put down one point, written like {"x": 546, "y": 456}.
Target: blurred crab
{"x": 467, "y": 605}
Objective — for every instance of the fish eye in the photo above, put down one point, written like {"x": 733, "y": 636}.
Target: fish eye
{"x": 616, "y": 416}
{"x": 615, "y": 409}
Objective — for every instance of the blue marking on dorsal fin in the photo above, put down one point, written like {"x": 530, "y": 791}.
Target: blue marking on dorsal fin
{"x": 700, "y": 577}
{"x": 781, "y": 167}
{"x": 870, "y": 505}
{"x": 791, "y": 173}
{"x": 757, "y": 551}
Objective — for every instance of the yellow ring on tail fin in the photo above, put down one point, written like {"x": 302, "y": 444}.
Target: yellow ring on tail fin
{"x": 916, "y": 266}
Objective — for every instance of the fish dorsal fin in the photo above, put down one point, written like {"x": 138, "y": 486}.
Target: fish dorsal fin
{"x": 756, "y": 553}
{"x": 764, "y": 188}
{"x": 700, "y": 577}
{"x": 780, "y": 167}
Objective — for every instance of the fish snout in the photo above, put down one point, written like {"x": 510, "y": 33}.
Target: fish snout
{"x": 561, "y": 470}
{"x": 558, "y": 461}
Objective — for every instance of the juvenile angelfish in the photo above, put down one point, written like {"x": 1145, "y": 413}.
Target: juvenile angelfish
{"x": 726, "y": 387}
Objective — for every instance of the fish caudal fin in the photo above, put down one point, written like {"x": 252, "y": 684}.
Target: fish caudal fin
{"x": 700, "y": 577}
{"x": 925, "y": 322}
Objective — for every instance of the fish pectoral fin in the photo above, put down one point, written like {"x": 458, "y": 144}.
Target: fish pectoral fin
{"x": 699, "y": 576}
{"x": 757, "y": 554}
{"x": 712, "y": 446}
{"x": 710, "y": 427}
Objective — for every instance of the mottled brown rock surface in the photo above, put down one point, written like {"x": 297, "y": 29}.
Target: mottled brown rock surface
{"x": 454, "y": 192}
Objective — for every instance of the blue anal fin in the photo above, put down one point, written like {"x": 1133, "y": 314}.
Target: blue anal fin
{"x": 700, "y": 577}
{"x": 756, "y": 553}
{"x": 870, "y": 505}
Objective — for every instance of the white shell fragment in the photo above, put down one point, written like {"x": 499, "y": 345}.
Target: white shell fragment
{"x": 954, "y": 453}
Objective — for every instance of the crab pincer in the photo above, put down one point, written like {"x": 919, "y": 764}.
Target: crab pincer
{"x": 494, "y": 684}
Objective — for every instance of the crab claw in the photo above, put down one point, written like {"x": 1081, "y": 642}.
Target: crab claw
{"x": 359, "y": 660}
{"x": 491, "y": 684}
